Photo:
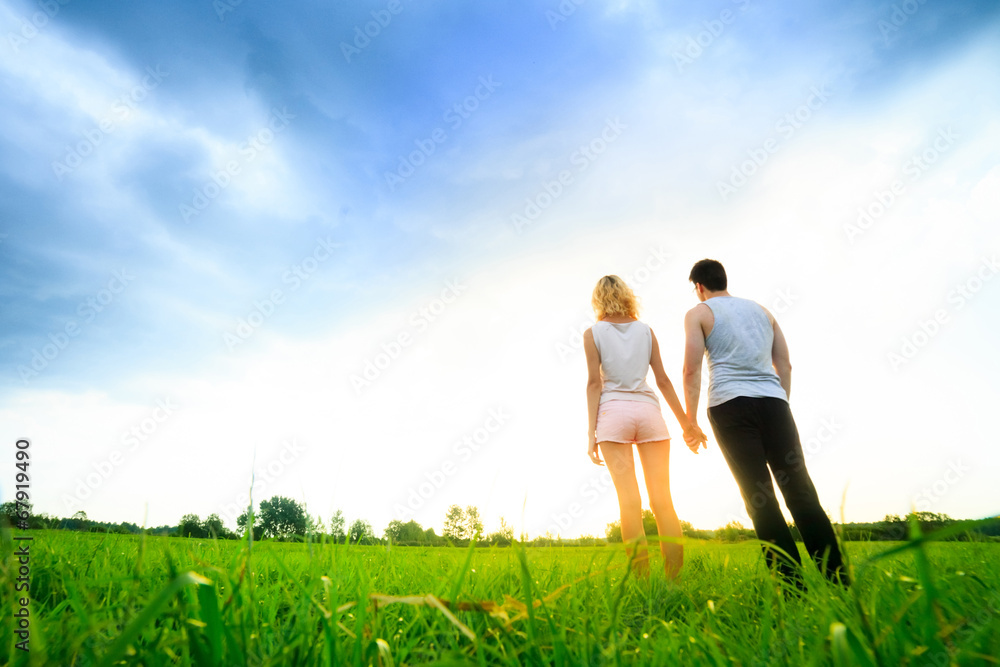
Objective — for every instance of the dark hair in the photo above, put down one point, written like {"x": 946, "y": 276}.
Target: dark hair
{"x": 709, "y": 273}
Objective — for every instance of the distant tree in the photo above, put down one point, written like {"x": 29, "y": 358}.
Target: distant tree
{"x": 281, "y": 517}
{"x": 190, "y": 526}
{"x": 43, "y": 520}
{"x": 213, "y": 527}
{"x": 546, "y": 540}
{"x": 430, "y": 536}
{"x": 688, "y": 530}
{"x": 931, "y": 519}
{"x": 241, "y": 525}
{"x": 454, "y": 523}
{"x": 614, "y": 531}
{"x": 502, "y": 537}
{"x": 412, "y": 532}
{"x": 405, "y": 533}
{"x": 338, "y": 526}
{"x": 9, "y": 513}
{"x": 78, "y": 521}
{"x": 732, "y": 532}
{"x": 892, "y": 527}
{"x": 394, "y": 531}
{"x": 649, "y": 522}
{"x": 473, "y": 524}
{"x": 314, "y": 525}
{"x": 361, "y": 533}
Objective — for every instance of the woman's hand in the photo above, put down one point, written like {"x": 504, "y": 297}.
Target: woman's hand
{"x": 695, "y": 438}
{"x": 592, "y": 452}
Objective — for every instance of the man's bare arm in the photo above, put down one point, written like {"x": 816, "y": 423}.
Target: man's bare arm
{"x": 779, "y": 356}
{"x": 666, "y": 388}
{"x": 694, "y": 353}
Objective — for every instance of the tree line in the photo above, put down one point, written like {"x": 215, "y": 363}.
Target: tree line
{"x": 284, "y": 519}
{"x": 891, "y": 528}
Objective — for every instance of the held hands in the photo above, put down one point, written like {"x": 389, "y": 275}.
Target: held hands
{"x": 592, "y": 451}
{"x": 694, "y": 438}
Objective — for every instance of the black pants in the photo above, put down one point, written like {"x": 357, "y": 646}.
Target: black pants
{"x": 755, "y": 434}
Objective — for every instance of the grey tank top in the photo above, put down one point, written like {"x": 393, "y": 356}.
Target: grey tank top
{"x": 739, "y": 352}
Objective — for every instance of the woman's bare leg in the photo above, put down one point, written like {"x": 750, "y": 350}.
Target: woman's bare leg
{"x": 618, "y": 458}
{"x": 655, "y": 457}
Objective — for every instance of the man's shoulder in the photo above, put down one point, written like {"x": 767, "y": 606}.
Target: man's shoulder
{"x": 700, "y": 310}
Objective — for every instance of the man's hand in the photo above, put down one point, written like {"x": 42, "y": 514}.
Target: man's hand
{"x": 592, "y": 452}
{"x": 695, "y": 438}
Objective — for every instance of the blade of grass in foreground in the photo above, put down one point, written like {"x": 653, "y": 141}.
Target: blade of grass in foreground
{"x": 460, "y": 576}
{"x": 212, "y": 619}
{"x": 529, "y": 599}
{"x": 932, "y": 626}
{"x": 118, "y": 649}
{"x": 847, "y": 649}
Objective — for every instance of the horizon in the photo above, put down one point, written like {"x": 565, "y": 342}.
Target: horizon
{"x": 345, "y": 253}
{"x": 440, "y": 533}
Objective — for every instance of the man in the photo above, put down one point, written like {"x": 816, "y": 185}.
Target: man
{"x": 750, "y": 378}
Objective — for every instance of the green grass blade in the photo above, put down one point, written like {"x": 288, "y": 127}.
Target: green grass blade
{"x": 120, "y": 646}
{"x": 210, "y": 616}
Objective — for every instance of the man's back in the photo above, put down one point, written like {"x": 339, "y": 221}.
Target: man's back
{"x": 738, "y": 348}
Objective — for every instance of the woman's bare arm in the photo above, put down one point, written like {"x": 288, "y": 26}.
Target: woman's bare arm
{"x": 666, "y": 388}
{"x": 594, "y": 386}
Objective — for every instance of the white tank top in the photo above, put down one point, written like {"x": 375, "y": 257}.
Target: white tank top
{"x": 624, "y": 349}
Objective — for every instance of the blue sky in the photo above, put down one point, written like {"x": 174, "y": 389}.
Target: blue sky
{"x": 215, "y": 217}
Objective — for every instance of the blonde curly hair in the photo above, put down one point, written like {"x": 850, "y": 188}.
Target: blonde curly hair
{"x": 613, "y": 298}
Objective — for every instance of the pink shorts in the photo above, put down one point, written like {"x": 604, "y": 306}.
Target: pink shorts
{"x": 630, "y": 421}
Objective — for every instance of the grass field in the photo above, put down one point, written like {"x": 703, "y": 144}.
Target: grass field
{"x": 100, "y": 599}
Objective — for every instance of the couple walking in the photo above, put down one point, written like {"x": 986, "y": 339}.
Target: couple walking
{"x": 749, "y": 385}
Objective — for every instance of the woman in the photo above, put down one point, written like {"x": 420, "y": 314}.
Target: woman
{"x": 624, "y": 410}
